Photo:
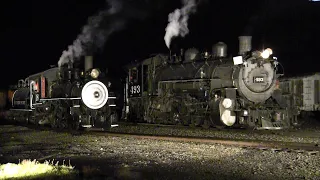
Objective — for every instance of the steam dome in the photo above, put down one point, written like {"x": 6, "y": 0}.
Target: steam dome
{"x": 219, "y": 49}
{"x": 191, "y": 54}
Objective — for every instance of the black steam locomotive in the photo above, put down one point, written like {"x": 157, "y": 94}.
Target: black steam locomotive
{"x": 203, "y": 89}
{"x": 65, "y": 97}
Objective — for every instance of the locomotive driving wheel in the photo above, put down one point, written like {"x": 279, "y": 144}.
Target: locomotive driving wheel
{"x": 53, "y": 121}
{"x": 197, "y": 118}
{"x": 53, "y": 117}
{"x": 113, "y": 118}
{"x": 196, "y": 121}
{"x": 63, "y": 124}
{"x": 74, "y": 123}
{"x": 207, "y": 123}
{"x": 154, "y": 116}
{"x": 59, "y": 119}
{"x": 183, "y": 114}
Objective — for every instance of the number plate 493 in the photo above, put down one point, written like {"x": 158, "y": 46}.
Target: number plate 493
{"x": 135, "y": 89}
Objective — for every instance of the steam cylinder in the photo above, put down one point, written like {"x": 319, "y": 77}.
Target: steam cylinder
{"x": 244, "y": 44}
{"x": 88, "y": 63}
{"x": 219, "y": 49}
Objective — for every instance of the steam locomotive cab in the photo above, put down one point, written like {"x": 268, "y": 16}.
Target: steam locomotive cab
{"x": 134, "y": 90}
{"x": 66, "y": 97}
{"x": 209, "y": 89}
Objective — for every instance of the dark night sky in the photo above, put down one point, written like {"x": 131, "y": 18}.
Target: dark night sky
{"x": 33, "y": 35}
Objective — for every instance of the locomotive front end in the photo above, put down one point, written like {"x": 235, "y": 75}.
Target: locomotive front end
{"x": 88, "y": 97}
{"x": 255, "y": 78}
{"x": 99, "y": 107}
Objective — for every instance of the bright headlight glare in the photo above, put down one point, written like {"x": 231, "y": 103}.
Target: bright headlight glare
{"x": 95, "y": 73}
{"x": 266, "y": 53}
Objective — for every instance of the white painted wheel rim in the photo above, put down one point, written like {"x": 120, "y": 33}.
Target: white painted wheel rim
{"x": 94, "y": 94}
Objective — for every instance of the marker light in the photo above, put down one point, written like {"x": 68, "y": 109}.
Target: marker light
{"x": 237, "y": 60}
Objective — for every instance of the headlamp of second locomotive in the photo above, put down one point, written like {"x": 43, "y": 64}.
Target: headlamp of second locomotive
{"x": 266, "y": 53}
{"x": 94, "y": 73}
{"x": 227, "y": 103}
{"x": 94, "y": 94}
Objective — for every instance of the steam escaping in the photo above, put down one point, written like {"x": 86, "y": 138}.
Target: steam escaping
{"x": 178, "y": 21}
{"x": 94, "y": 35}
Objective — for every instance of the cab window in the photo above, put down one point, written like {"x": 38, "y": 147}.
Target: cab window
{"x": 134, "y": 75}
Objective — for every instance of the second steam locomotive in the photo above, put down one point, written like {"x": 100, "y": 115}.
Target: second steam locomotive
{"x": 203, "y": 89}
{"x": 65, "y": 97}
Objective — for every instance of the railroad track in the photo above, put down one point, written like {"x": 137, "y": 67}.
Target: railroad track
{"x": 309, "y": 148}
{"x": 276, "y": 146}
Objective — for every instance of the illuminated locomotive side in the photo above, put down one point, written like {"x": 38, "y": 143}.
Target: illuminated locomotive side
{"x": 65, "y": 97}
{"x": 209, "y": 89}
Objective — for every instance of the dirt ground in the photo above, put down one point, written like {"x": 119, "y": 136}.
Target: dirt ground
{"x": 129, "y": 158}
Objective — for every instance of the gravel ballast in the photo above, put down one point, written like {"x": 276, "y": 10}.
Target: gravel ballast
{"x": 289, "y": 135}
{"x": 130, "y": 158}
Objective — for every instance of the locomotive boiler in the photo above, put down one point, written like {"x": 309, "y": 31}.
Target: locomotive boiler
{"x": 65, "y": 97}
{"x": 209, "y": 89}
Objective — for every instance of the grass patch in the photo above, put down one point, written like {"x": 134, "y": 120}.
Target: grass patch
{"x": 28, "y": 169}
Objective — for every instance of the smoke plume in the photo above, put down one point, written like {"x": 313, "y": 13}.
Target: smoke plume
{"x": 178, "y": 21}
{"x": 96, "y": 32}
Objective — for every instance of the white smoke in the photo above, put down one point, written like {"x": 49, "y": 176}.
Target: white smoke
{"x": 178, "y": 21}
{"x": 92, "y": 34}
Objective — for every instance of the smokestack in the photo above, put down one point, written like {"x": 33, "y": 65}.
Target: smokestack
{"x": 88, "y": 63}
{"x": 70, "y": 64}
{"x": 244, "y": 44}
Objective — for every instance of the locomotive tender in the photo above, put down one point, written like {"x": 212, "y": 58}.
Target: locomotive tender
{"x": 202, "y": 89}
{"x": 65, "y": 97}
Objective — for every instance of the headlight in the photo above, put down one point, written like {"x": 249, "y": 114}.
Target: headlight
{"x": 95, "y": 73}
{"x": 227, "y": 103}
{"x": 266, "y": 53}
{"x": 245, "y": 113}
